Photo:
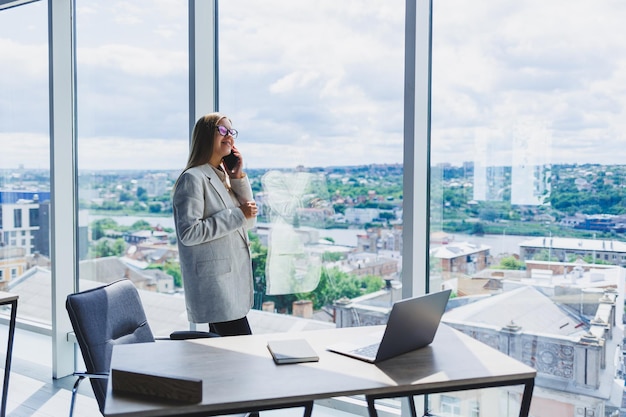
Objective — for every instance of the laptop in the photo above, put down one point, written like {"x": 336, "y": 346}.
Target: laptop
{"x": 412, "y": 324}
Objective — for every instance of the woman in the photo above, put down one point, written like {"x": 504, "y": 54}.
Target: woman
{"x": 213, "y": 209}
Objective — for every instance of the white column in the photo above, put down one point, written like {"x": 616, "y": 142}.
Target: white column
{"x": 203, "y": 63}
{"x": 63, "y": 177}
{"x": 416, "y": 147}
{"x": 416, "y": 195}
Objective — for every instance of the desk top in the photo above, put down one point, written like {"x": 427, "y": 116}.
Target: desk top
{"x": 239, "y": 373}
{"x": 7, "y": 297}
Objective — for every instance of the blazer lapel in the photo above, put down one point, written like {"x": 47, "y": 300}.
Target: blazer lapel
{"x": 215, "y": 182}
{"x": 221, "y": 190}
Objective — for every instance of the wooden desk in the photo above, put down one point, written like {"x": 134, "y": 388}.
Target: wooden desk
{"x": 5, "y": 299}
{"x": 239, "y": 375}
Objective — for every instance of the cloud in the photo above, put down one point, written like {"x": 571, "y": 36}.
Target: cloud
{"x": 495, "y": 64}
{"x": 318, "y": 81}
{"x": 129, "y": 60}
{"x": 30, "y": 150}
{"x": 98, "y": 153}
{"x": 321, "y": 82}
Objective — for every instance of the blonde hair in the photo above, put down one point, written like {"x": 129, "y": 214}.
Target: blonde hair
{"x": 202, "y": 141}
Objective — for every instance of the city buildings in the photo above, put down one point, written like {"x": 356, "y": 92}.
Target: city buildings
{"x": 605, "y": 251}
{"x": 24, "y": 220}
{"x": 460, "y": 259}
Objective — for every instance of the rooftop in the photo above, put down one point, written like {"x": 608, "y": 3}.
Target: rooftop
{"x": 165, "y": 312}
{"x": 599, "y": 245}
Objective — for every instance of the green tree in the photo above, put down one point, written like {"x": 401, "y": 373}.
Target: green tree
{"x": 142, "y": 194}
{"x": 591, "y": 260}
{"x": 454, "y": 197}
{"x": 154, "y": 207}
{"x": 107, "y": 247}
{"x": 371, "y": 283}
{"x": 112, "y": 206}
{"x": 99, "y": 227}
{"x": 489, "y": 214}
{"x": 340, "y": 208}
{"x": 259, "y": 258}
{"x": 335, "y": 284}
{"x": 140, "y": 225}
{"x": 172, "y": 269}
{"x": 478, "y": 229}
{"x": 544, "y": 255}
{"x": 511, "y": 263}
{"x": 332, "y": 256}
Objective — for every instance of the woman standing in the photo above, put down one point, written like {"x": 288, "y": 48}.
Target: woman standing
{"x": 213, "y": 210}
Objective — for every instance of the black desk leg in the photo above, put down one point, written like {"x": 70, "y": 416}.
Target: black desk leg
{"x": 371, "y": 406}
{"x": 308, "y": 409}
{"x": 526, "y": 397}
{"x": 7, "y": 366}
{"x": 412, "y": 405}
{"x": 523, "y": 412}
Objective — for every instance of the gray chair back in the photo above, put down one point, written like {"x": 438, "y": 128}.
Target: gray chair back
{"x": 103, "y": 317}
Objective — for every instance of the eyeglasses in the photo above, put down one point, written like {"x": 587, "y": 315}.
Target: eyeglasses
{"x": 226, "y": 131}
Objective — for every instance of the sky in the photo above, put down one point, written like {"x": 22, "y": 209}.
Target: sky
{"x": 320, "y": 82}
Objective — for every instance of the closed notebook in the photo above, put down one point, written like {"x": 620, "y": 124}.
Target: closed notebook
{"x": 292, "y": 351}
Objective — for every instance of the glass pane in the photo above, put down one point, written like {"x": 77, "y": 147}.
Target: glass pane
{"x": 25, "y": 161}
{"x": 476, "y": 403}
{"x": 318, "y": 102}
{"x": 132, "y": 71}
{"x": 527, "y": 189}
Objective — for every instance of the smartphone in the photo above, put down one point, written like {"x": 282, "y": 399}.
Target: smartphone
{"x": 231, "y": 161}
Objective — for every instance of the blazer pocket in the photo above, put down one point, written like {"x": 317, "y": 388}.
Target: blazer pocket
{"x": 213, "y": 268}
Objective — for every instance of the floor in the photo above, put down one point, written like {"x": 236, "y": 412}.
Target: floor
{"x": 32, "y": 390}
{"x": 34, "y": 393}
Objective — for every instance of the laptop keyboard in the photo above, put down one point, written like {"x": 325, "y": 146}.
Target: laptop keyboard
{"x": 368, "y": 351}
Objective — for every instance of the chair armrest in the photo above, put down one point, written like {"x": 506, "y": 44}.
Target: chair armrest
{"x": 98, "y": 375}
{"x": 191, "y": 334}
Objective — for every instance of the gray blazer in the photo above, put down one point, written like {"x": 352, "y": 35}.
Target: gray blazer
{"x": 213, "y": 246}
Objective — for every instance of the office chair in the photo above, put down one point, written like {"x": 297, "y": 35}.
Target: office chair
{"x": 106, "y": 316}
{"x": 112, "y": 315}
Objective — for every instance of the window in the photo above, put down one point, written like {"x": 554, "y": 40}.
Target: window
{"x": 524, "y": 132}
{"x": 450, "y": 406}
{"x": 33, "y": 217}
{"x": 24, "y": 134}
{"x": 120, "y": 78}
{"x": 132, "y": 66}
{"x": 474, "y": 408}
{"x": 17, "y": 218}
{"x": 305, "y": 100}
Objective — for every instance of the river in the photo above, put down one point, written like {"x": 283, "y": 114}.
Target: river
{"x": 342, "y": 237}
{"x": 347, "y": 237}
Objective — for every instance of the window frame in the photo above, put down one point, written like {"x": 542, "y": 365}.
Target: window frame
{"x": 203, "y": 98}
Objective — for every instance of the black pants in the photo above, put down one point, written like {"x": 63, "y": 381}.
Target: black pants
{"x": 237, "y": 327}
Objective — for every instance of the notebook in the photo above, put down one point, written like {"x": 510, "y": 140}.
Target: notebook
{"x": 412, "y": 324}
{"x": 292, "y": 351}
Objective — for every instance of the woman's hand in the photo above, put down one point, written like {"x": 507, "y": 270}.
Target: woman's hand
{"x": 249, "y": 209}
